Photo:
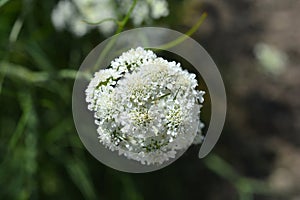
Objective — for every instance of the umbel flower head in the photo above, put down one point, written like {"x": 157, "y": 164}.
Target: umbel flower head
{"x": 145, "y": 107}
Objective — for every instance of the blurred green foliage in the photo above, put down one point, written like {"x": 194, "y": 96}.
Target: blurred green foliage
{"x": 41, "y": 155}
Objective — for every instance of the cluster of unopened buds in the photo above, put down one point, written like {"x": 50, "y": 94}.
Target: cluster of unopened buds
{"x": 145, "y": 107}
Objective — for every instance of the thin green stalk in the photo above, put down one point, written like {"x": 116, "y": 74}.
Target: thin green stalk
{"x": 102, "y": 21}
{"x": 186, "y": 36}
{"x": 110, "y": 44}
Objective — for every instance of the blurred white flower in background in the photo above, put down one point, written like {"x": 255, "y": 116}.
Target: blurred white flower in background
{"x": 146, "y": 108}
{"x": 271, "y": 59}
{"x": 72, "y": 14}
{"x": 145, "y": 10}
{"x": 159, "y": 8}
{"x": 61, "y": 15}
{"x": 95, "y": 11}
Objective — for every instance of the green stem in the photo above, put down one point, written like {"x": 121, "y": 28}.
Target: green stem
{"x": 110, "y": 44}
{"x": 186, "y": 36}
{"x": 102, "y": 21}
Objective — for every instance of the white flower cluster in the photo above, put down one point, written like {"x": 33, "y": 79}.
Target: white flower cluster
{"x": 145, "y": 10}
{"x": 70, "y": 14}
{"x": 145, "y": 107}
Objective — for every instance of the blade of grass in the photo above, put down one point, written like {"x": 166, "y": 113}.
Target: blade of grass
{"x": 26, "y": 105}
{"x": 246, "y": 187}
{"x": 39, "y": 56}
{"x": 80, "y": 176}
{"x": 57, "y": 132}
{"x": 20, "y": 72}
{"x": 15, "y": 31}
{"x": 3, "y": 2}
{"x": 13, "y": 36}
{"x": 15, "y": 71}
{"x": 31, "y": 140}
{"x": 130, "y": 191}
{"x": 72, "y": 74}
